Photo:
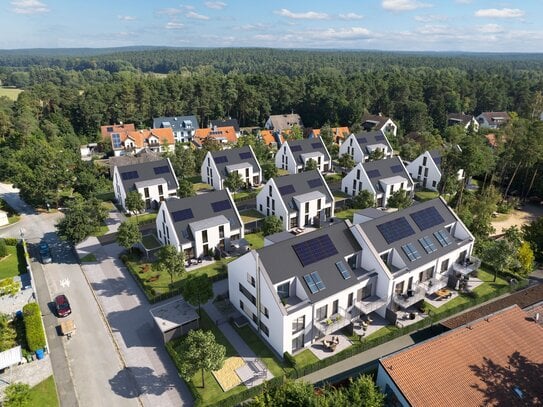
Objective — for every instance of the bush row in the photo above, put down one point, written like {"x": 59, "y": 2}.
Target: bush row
{"x": 35, "y": 336}
{"x": 10, "y": 241}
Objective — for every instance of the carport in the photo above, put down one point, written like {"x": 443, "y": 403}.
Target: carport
{"x": 174, "y": 319}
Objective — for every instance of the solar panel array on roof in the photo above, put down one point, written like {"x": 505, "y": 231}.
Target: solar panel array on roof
{"x": 221, "y": 205}
{"x": 395, "y": 230}
{"x": 314, "y": 250}
{"x": 427, "y": 218}
{"x": 295, "y": 149}
{"x": 314, "y": 183}
{"x": 287, "y": 189}
{"x": 362, "y": 140}
{"x": 116, "y": 138}
{"x": 183, "y": 214}
{"x": 245, "y": 156}
{"x": 374, "y": 173}
{"x": 379, "y": 137}
{"x": 396, "y": 169}
{"x": 161, "y": 170}
{"x": 411, "y": 252}
{"x": 316, "y": 145}
{"x": 129, "y": 175}
{"x": 443, "y": 237}
{"x": 221, "y": 159}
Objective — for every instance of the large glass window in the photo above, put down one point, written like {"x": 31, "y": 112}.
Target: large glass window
{"x": 298, "y": 343}
{"x": 247, "y": 294}
{"x": 283, "y": 290}
{"x": 298, "y": 324}
{"x": 321, "y": 313}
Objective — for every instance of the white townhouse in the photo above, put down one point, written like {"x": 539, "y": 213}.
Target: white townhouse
{"x": 464, "y": 120}
{"x": 183, "y": 127}
{"x": 381, "y": 178}
{"x": 360, "y": 146}
{"x": 298, "y": 290}
{"x": 298, "y": 200}
{"x": 371, "y": 122}
{"x": 426, "y": 169}
{"x": 493, "y": 120}
{"x": 293, "y": 155}
{"x": 200, "y": 224}
{"x": 154, "y": 180}
{"x": 218, "y": 165}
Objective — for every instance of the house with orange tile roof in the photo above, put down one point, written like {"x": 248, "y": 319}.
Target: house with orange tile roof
{"x": 271, "y": 138}
{"x": 494, "y": 361}
{"x": 224, "y": 135}
{"x": 338, "y": 133}
{"x": 109, "y": 129}
{"x": 133, "y": 142}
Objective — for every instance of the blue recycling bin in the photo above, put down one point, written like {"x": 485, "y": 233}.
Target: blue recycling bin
{"x": 39, "y": 354}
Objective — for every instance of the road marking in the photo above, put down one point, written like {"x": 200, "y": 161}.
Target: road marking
{"x": 65, "y": 283}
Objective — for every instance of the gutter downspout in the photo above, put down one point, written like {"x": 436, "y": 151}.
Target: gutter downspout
{"x": 258, "y": 291}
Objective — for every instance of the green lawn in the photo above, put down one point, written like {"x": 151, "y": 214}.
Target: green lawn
{"x": 340, "y": 196}
{"x": 346, "y": 214}
{"x": 250, "y": 215}
{"x": 44, "y": 394}
{"x": 150, "y": 242}
{"x": 273, "y": 364}
{"x": 256, "y": 240}
{"x": 425, "y": 195}
{"x": 13, "y": 264}
{"x": 200, "y": 186}
{"x": 305, "y": 358}
{"x": 101, "y": 231}
{"x": 10, "y": 93}
{"x": 333, "y": 177}
{"x": 281, "y": 172}
{"x": 89, "y": 258}
{"x": 212, "y": 391}
{"x": 143, "y": 218}
{"x": 243, "y": 195}
{"x": 106, "y": 196}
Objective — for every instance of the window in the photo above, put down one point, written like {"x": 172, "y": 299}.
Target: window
{"x": 384, "y": 257}
{"x": 350, "y": 300}
{"x": 321, "y": 313}
{"x": 298, "y": 324}
{"x": 424, "y": 159}
{"x": 426, "y": 172}
{"x": 251, "y": 279}
{"x": 264, "y": 329}
{"x": 399, "y": 288}
{"x": 427, "y": 244}
{"x": 335, "y": 307}
{"x": 260, "y": 207}
{"x": 433, "y": 184}
{"x": 351, "y": 261}
{"x": 420, "y": 170}
{"x": 357, "y": 174}
{"x": 160, "y": 190}
{"x": 204, "y": 236}
{"x": 273, "y": 204}
{"x": 270, "y": 190}
{"x": 264, "y": 310}
{"x": 306, "y": 207}
{"x": 367, "y": 291}
{"x": 319, "y": 204}
{"x": 354, "y": 184}
{"x": 298, "y": 343}
{"x": 283, "y": 290}
{"x": 247, "y": 294}
{"x": 443, "y": 238}
{"x": 146, "y": 192}
{"x": 444, "y": 265}
{"x": 343, "y": 270}
{"x": 221, "y": 231}
{"x": 411, "y": 252}
{"x": 268, "y": 201}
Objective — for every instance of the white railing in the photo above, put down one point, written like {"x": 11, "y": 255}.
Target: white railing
{"x": 410, "y": 298}
{"x": 370, "y": 304}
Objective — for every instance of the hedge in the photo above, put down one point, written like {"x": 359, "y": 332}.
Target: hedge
{"x": 11, "y": 241}
{"x": 35, "y": 336}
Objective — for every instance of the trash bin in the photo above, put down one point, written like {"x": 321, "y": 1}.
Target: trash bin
{"x": 39, "y": 354}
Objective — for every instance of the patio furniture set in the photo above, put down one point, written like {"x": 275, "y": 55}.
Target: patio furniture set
{"x": 331, "y": 344}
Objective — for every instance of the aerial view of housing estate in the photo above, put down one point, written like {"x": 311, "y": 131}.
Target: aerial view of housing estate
{"x": 234, "y": 203}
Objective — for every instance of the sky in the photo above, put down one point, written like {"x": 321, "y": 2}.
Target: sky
{"x": 400, "y": 25}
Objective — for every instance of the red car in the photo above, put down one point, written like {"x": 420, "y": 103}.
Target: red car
{"x": 62, "y": 306}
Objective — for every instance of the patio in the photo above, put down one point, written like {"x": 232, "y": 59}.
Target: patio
{"x": 321, "y": 351}
{"x": 409, "y": 316}
{"x": 377, "y": 322}
{"x": 437, "y": 301}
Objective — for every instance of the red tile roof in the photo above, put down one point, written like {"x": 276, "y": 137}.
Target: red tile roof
{"x": 268, "y": 137}
{"x": 228, "y": 133}
{"x": 474, "y": 365}
{"x": 140, "y": 138}
{"x": 116, "y": 128}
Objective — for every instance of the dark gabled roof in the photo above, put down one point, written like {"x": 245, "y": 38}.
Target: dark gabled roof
{"x": 375, "y": 235}
{"x": 145, "y": 171}
{"x": 369, "y": 138}
{"x": 492, "y": 116}
{"x": 201, "y": 208}
{"x": 380, "y": 120}
{"x": 300, "y": 185}
{"x": 281, "y": 262}
{"x": 231, "y": 156}
{"x": 387, "y": 168}
{"x": 436, "y": 156}
{"x": 455, "y": 118}
{"x": 225, "y": 123}
{"x": 307, "y": 146}
{"x": 176, "y": 123}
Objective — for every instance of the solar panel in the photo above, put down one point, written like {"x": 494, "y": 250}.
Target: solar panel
{"x": 182, "y": 215}
{"x": 109, "y": 129}
{"x": 311, "y": 284}
{"x": 318, "y": 281}
{"x": 314, "y": 250}
{"x": 362, "y": 140}
{"x": 373, "y": 173}
{"x": 396, "y": 169}
{"x": 443, "y": 237}
{"x": 411, "y": 252}
{"x": 395, "y": 230}
{"x": 316, "y": 145}
{"x": 427, "y": 244}
{"x": 379, "y": 137}
{"x": 221, "y": 205}
{"x": 314, "y": 183}
{"x": 427, "y": 218}
{"x": 129, "y": 175}
{"x": 287, "y": 189}
{"x": 295, "y": 149}
{"x": 343, "y": 270}
{"x": 116, "y": 138}
{"x": 245, "y": 156}
{"x": 220, "y": 159}
{"x": 161, "y": 170}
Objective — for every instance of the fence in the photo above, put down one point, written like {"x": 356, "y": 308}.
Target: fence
{"x": 253, "y": 226}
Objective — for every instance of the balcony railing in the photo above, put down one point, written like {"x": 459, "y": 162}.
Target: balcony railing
{"x": 467, "y": 266}
{"x": 410, "y": 298}
{"x": 334, "y": 322}
{"x": 370, "y": 304}
{"x": 435, "y": 283}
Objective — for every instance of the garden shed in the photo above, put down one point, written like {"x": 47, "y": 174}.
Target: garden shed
{"x": 175, "y": 319}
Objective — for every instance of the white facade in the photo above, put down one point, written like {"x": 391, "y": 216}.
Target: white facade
{"x": 424, "y": 169}
{"x": 285, "y": 159}
{"x": 388, "y": 387}
{"x": 352, "y": 147}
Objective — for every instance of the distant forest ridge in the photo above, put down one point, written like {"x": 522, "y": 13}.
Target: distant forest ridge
{"x": 257, "y": 60}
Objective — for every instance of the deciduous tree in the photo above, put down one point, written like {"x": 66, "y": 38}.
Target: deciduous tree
{"x": 399, "y": 199}
{"x": 364, "y": 199}
{"x": 197, "y": 290}
{"x": 186, "y": 188}
{"x": 170, "y": 261}
{"x": 128, "y": 235}
{"x": 271, "y": 225}
{"x": 134, "y": 202}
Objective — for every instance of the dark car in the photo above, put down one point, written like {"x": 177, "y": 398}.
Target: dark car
{"x": 45, "y": 253}
{"x": 62, "y": 306}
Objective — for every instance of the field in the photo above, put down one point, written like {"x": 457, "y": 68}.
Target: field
{"x": 10, "y": 93}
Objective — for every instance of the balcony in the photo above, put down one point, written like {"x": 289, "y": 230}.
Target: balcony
{"x": 410, "y": 298}
{"x": 334, "y": 322}
{"x": 370, "y": 304}
{"x": 467, "y": 266}
{"x": 436, "y": 283}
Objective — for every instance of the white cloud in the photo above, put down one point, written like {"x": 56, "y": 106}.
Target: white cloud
{"x": 216, "y": 5}
{"x": 169, "y": 11}
{"x": 490, "y": 28}
{"x": 428, "y": 18}
{"x": 500, "y": 13}
{"x": 126, "y": 18}
{"x": 403, "y": 5}
{"x": 353, "y": 33}
{"x": 351, "y": 16}
{"x": 463, "y": 1}
{"x": 28, "y": 7}
{"x": 196, "y": 16}
{"x": 173, "y": 25}
{"x": 308, "y": 15}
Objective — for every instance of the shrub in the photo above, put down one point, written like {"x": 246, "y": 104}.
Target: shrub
{"x": 3, "y": 248}
{"x": 35, "y": 337}
{"x": 11, "y": 241}
{"x": 289, "y": 359}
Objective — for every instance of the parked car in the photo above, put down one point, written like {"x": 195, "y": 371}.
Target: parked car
{"x": 45, "y": 253}
{"x": 62, "y": 306}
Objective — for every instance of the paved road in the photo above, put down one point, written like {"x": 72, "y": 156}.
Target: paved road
{"x": 85, "y": 366}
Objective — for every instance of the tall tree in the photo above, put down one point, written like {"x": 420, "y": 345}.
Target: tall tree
{"x": 271, "y": 225}
{"x": 310, "y": 165}
{"x": 7, "y": 334}
{"x": 82, "y": 218}
{"x": 128, "y": 235}
{"x": 364, "y": 199}
{"x": 134, "y": 202}
{"x": 186, "y": 188}
{"x": 170, "y": 261}
{"x": 200, "y": 351}
{"x": 197, "y": 290}
{"x": 234, "y": 181}
{"x": 399, "y": 199}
